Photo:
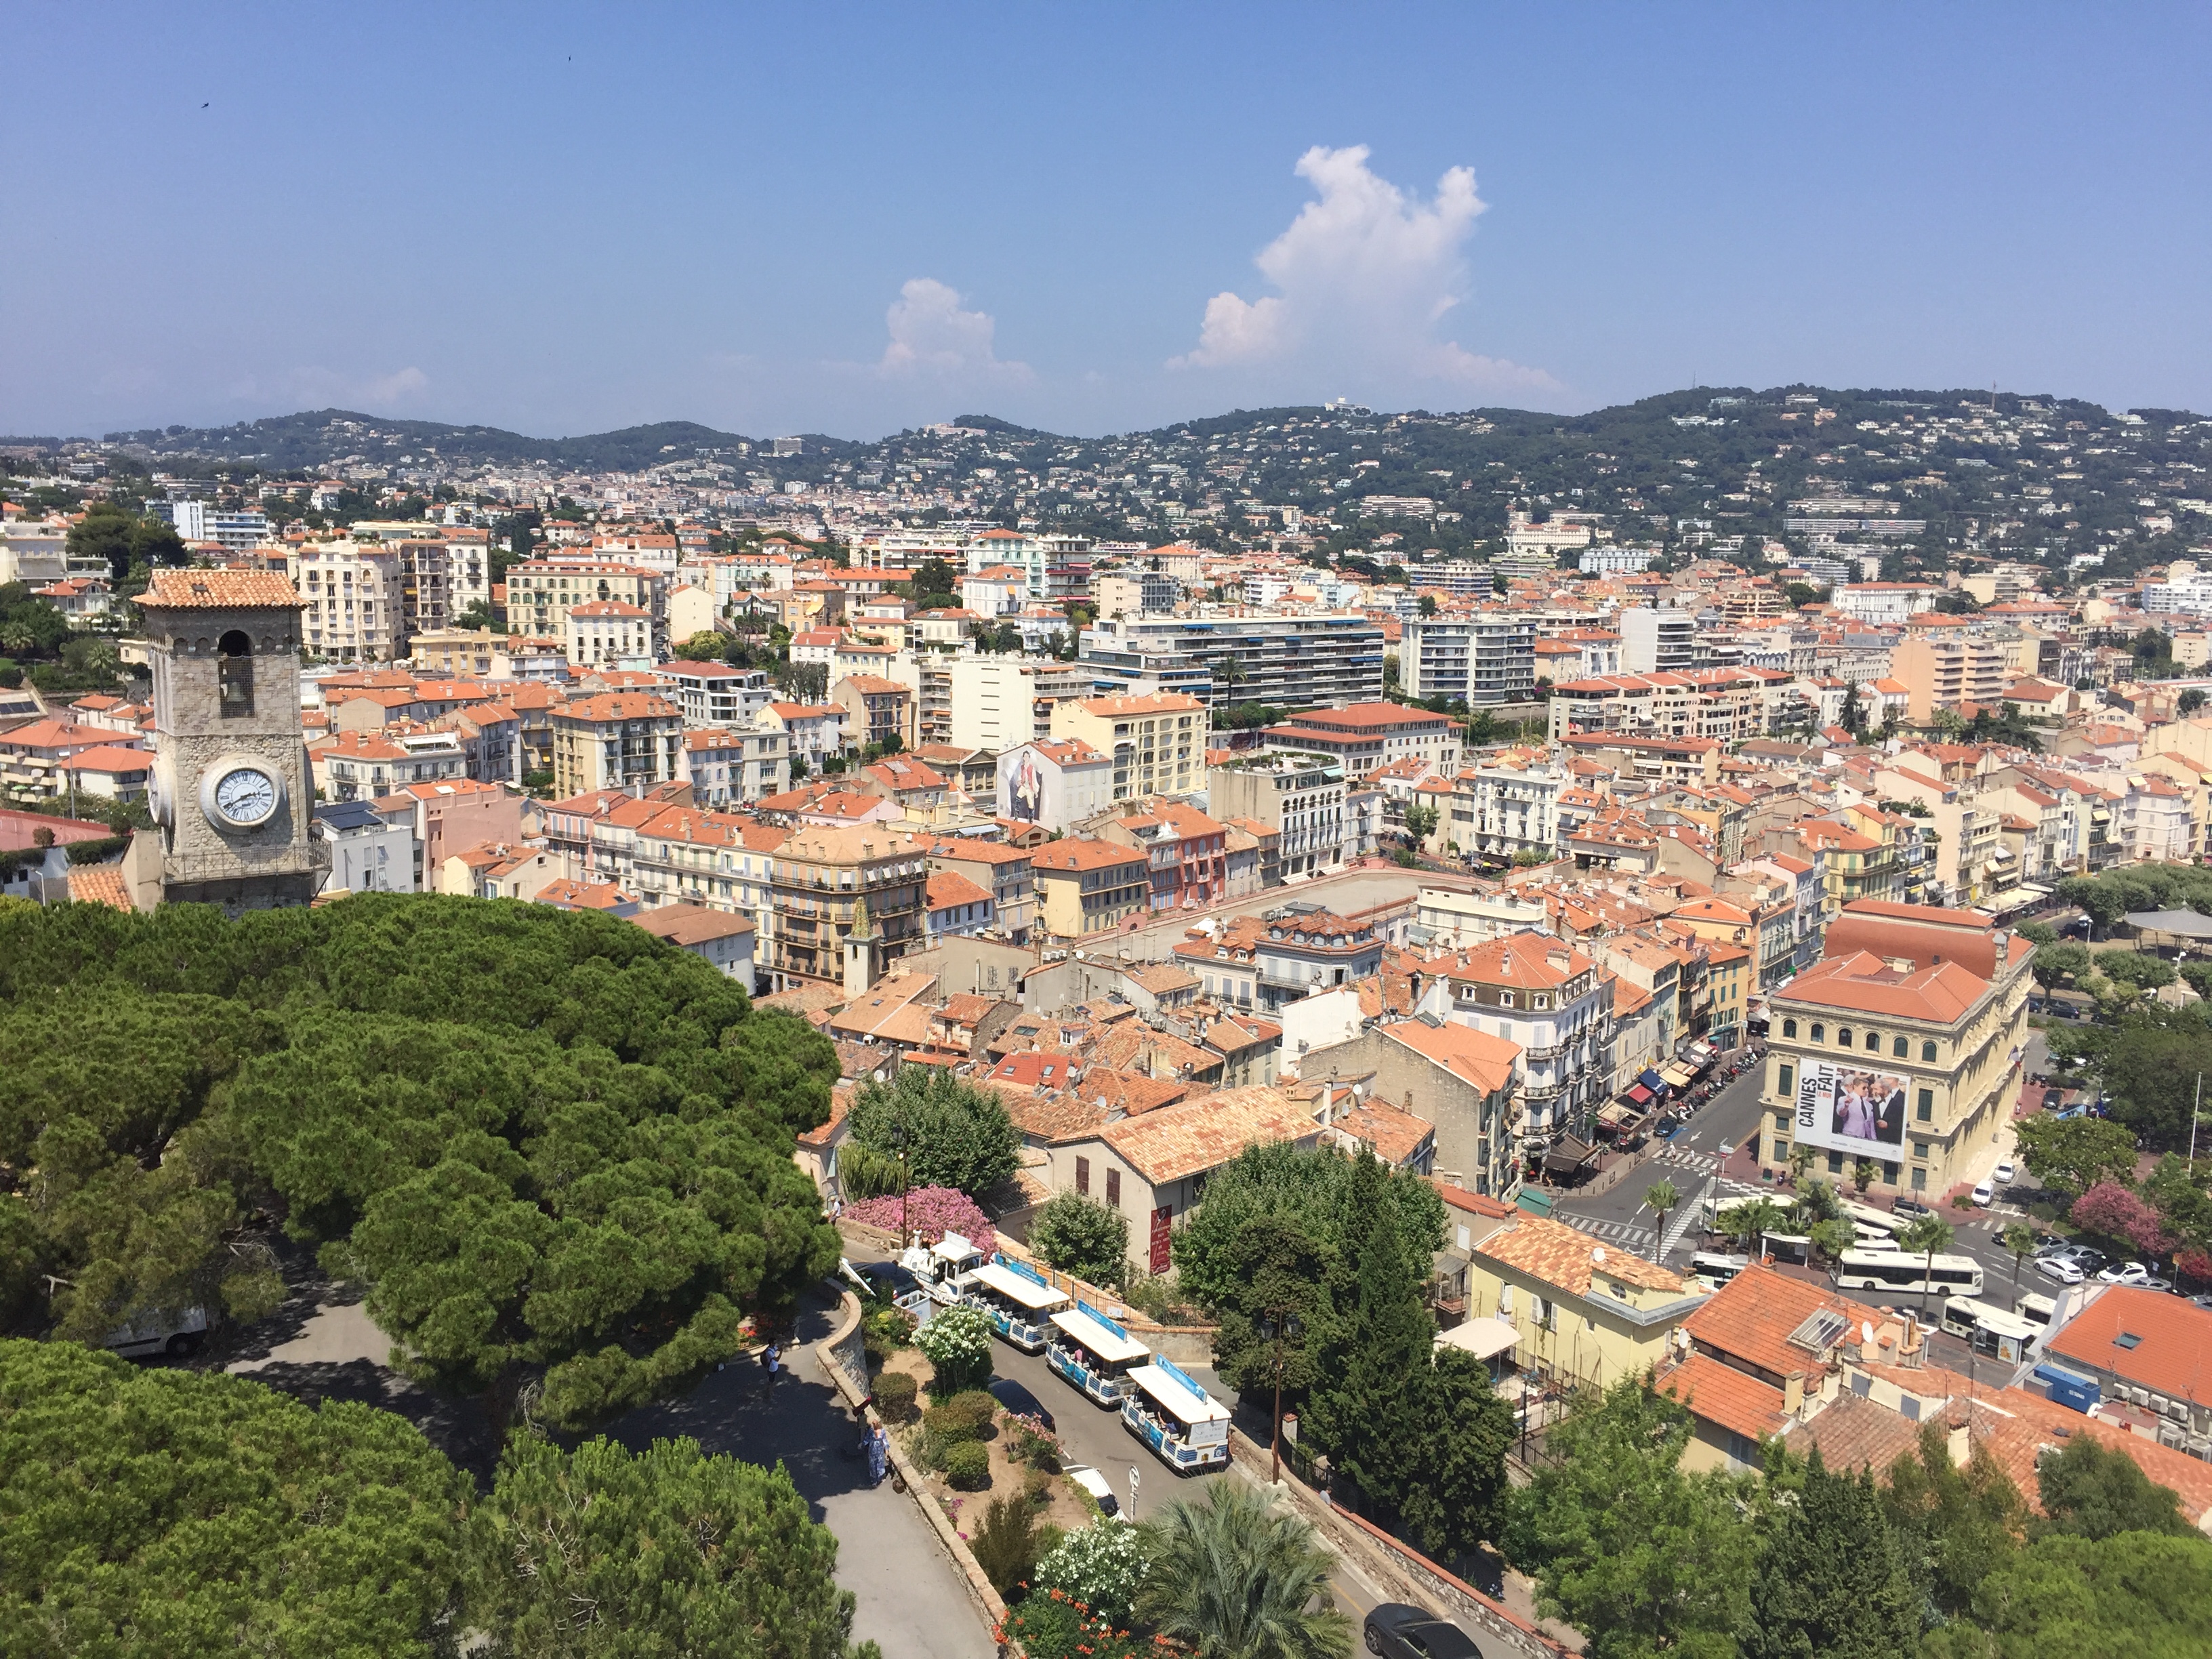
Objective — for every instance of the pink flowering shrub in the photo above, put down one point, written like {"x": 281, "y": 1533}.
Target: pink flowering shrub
{"x": 931, "y": 1213}
{"x": 2111, "y": 1209}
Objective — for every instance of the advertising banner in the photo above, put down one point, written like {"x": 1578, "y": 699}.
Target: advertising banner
{"x": 1844, "y": 1108}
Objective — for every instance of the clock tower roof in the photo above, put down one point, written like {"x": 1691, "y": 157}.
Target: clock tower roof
{"x": 221, "y": 590}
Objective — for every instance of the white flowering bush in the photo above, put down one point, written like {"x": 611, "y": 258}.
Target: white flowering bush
{"x": 957, "y": 1342}
{"x": 1100, "y": 1565}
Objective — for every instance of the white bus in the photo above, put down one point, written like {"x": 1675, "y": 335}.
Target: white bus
{"x": 1714, "y": 1270}
{"x": 1991, "y": 1331}
{"x": 1866, "y": 1218}
{"x": 1900, "y": 1270}
{"x": 2036, "y": 1309}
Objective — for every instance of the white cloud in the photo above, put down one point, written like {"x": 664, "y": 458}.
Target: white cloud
{"x": 1364, "y": 275}
{"x": 313, "y": 386}
{"x": 931, "y": 335}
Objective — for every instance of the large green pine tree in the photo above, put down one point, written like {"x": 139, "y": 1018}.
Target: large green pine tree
{"x": 1375, "y": 1421}
{"x": 1833, "y": 1581}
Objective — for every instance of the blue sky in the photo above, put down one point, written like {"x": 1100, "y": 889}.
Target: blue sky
{"x": 854, "y": 218}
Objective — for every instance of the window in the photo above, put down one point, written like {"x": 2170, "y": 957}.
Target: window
{"x": 1083, "y": 1176}
{"x": 1505, "y": 1301}
{"x": 1920, "y": 1180}
{"x": 1923, "y": 1109}
{"x": 1873, "y": 1042}
{"x": 1898, "y": 1048}
{"x": 1819, "y": 1032}
{"x": 1790, "y": 1027}
{"x": 1114, "y": 1189}
{"x": 1785, "y": 1079}
{"x": 1928, "y": 1051}
{"x": 234, "y": 676}
{"x": 1835, "y": 1164}
{"x": 1842, "y": 1036}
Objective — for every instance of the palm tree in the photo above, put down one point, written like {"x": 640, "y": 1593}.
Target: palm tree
{"x": 2020, "y": 1240}
{"x": 1234, "y": 1578}
{"x": 1755, "y": 1218}
{"x": 1922, "y": 1236}
{"x": 1660, "y": 1198}
{"x": 1830, "y": 1238}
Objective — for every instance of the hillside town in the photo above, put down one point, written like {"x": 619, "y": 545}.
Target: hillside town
{"x": 1734, "y": 936}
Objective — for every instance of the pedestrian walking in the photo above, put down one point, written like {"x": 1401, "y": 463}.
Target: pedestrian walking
{"x": 879, "y": 1453}
{"x": 771, "y": 1362}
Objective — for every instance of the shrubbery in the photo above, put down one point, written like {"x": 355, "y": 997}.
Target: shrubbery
{"x": 967, "y": 1466}
{"x": 957, "y": 1342}
{"x": 895, "y": 1394}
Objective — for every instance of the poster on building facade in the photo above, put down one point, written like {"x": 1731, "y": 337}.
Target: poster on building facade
{"x": 1849, "y": 1110}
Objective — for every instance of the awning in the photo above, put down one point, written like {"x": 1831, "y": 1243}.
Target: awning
{"x": 1650, "y": 1080}
{"x": 1486, "y": 1338}
{"x": 1568, "y": 1154}
{"x": 1678, "y": 1075}
{"x": 1640, "y": 1094}
{"x": 2183, "y": 924}
{"x": 1618, "y": 1113}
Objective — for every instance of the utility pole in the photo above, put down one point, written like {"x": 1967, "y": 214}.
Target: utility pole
{"x": 2194, "y": 1106}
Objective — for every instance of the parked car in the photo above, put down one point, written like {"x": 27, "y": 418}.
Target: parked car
{"x": 2004, "y": 1175}
{"x": 2087, "y": 1260}
{"x": 1020, "y": 1401}
{"x": 1909, "y": 1208}
{"x": 2135, "y": 1275}
{"x": 2053, "y": 1098}
{"x": 1100, "y": 1488}
{"x": 1984, "y": 1195}
{"x": 177, "y": 1335}
{"x": 2059, "y": 1268}
{"x": 1395, "y": 1631}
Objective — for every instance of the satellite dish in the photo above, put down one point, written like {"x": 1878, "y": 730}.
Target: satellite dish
{"x": 1866, "y": 1332}
{"x": 1598, "y": 1254}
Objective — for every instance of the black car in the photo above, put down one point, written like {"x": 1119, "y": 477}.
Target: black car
{"x": 1395, "y": 1631}
{"x": 2052, "y": 1099}
{"x": 1020, "y": 1401}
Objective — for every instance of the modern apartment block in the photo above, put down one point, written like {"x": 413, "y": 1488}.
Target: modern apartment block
{"x": 1158, "y": 745}
{"x": 1662, "y": 640}
{"x": 1300, "y": 796}
{"x": 1486, "y": 659}
{"x": 1944, "y": 672}
{"x": 356, "y": 600}
{"x": 614, "y": 741}
{"x": 1370, "y": 736}
{"x": 998, "y": 702}
{"x": 1291, "y": 661}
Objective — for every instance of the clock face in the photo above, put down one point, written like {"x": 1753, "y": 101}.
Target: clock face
{"x": 245, "y": 796}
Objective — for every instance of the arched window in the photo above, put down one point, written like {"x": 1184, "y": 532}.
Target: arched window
{"x": 1873, "y": 1042}
{"x": 1842, "y": 1036}
{"x": 1900, "y": 1047}
{"x": 233, "y": 676}
{"x": 1790, "y": 1027}
{"x": 1819, "y": 1032}
{"x": 1927, "y": 1051}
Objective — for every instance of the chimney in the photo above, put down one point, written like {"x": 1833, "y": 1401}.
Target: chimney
{"x": 1960, "y": 1445}
{"x": 1793, "y": 1393}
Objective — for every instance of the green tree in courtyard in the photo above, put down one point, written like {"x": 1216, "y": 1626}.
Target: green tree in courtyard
{"x": 1640, "y": 1556}
{"x": 1080, "y": 1236}
{"x": 2093, "y": 1491}
{"x": 605, "y": 1552}
{"x": 956, "y": 1133}
{"x": 1833, "y": 1580}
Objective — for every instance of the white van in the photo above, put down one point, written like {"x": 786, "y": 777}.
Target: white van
{"x": 175, "y": 1334}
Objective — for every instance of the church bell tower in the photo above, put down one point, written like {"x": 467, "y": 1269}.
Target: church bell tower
{"x": 231, "y": 794}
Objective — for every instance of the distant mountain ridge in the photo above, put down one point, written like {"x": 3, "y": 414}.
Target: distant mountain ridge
{"x": 324, "y": 437}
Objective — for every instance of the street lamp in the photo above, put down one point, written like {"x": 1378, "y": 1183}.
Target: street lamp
{"x": 1278, "y": 1331}
{"x": 897, "y": 1138}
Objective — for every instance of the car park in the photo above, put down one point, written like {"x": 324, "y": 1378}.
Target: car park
{"x": 1394, "y": 1630}
{"x": 2059, "y": 1268}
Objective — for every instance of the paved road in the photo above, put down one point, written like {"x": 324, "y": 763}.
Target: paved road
{"x": 908, "y": 1596}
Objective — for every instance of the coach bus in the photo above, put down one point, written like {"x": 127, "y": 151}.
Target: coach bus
{"x": 1903, "y": 1271}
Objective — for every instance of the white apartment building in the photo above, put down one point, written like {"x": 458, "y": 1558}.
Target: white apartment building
{"x": 608, "y": 634}
{"x": 1494, "y": 809}
{"x": 1657, "y": 639}
{"x": 1886, "y": 604}
{"x": 998, "y": 701}
{"x": 735, "y": 766}
{"x": 1489, "y": 658}
{"x": 354, "y": 600}
{"x": 1301, "y": 796}
{"x": 1303, "y": 661}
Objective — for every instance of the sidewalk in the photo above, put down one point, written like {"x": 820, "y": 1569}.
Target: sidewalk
{"x": 912, "y": 1600}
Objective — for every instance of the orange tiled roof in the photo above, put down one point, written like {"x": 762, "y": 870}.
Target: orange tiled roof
{"x": 2172, "y": 1354}
{"x": 1721, "y": 1394}
{"x": 228, "y": 590}
{"x": 1203, "y": 1133}
{"x": 1570, "y": 1258}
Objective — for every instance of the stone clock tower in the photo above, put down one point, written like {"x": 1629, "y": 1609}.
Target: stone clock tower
{"x": 231, "y": 794}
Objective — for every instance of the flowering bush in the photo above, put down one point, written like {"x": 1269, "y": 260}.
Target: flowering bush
{"x": 931, "y": 1213}
{"x": 2197, "y": 1264}
{"x": 2111, "y": 1210}
{"x": 957, "y": 1342}
{"x": 1054, "y": 1624}
{"x": 1099, "y": 1566}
